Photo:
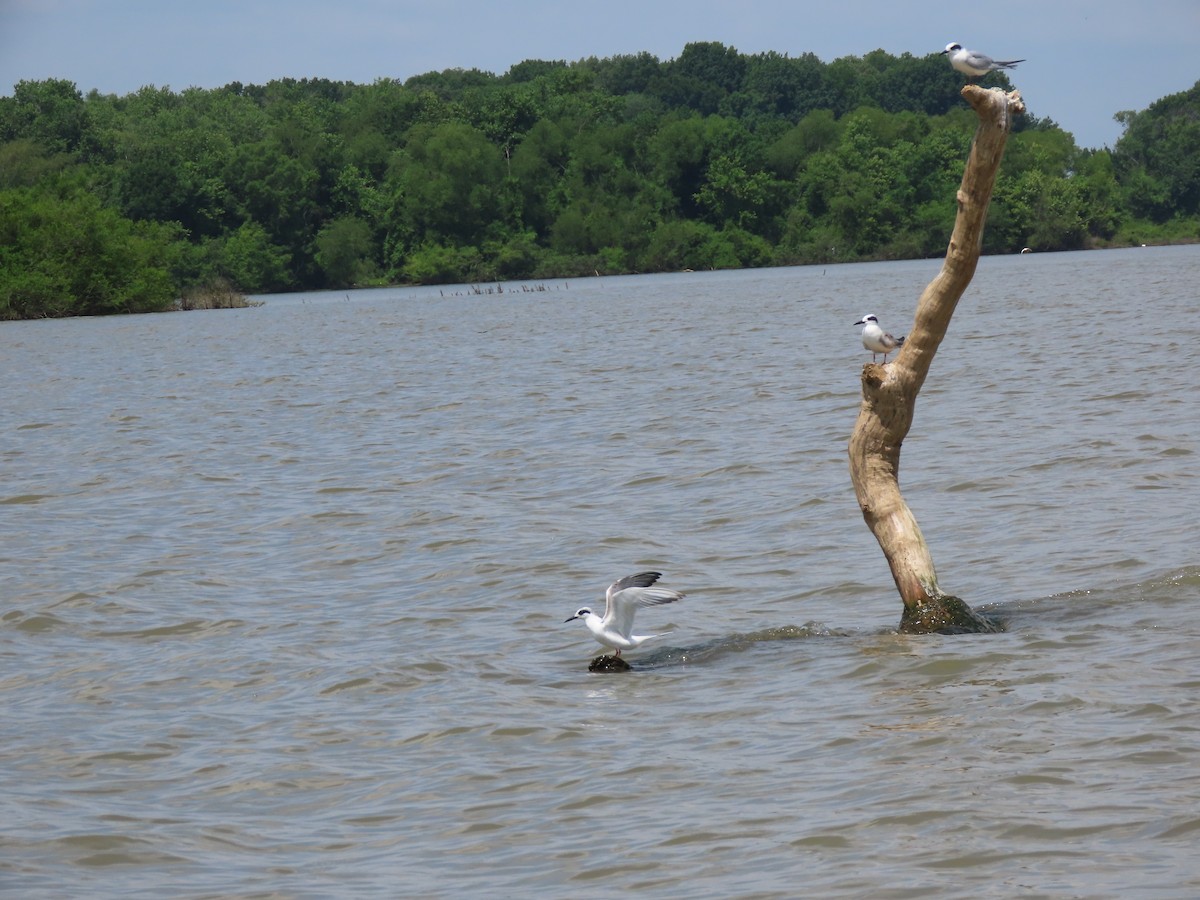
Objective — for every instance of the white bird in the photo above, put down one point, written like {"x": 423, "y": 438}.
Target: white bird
{"x": 975, "y": 65}
{"x": 876, "y": 339}
{"x": 623, "y": 599}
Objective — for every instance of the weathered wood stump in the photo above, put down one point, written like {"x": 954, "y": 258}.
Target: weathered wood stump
{"x": 889, "y": 391}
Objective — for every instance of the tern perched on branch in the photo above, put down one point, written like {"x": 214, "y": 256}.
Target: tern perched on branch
{"x": 876, "y": 339}
{"x": 974, "y": 64}
{"x": 623, "y": 599}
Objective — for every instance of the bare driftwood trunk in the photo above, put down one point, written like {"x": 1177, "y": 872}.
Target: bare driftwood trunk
{"x": 890, "y": 390}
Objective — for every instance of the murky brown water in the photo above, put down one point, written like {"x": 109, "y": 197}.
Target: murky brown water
{"x": 283, "y": 592}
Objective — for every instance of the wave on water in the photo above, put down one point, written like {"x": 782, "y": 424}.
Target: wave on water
{"x": 1149, "y": 603}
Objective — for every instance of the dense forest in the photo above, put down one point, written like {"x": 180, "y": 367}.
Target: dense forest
{"x": 714, "y": 159}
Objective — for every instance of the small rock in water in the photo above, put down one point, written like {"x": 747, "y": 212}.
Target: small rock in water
{"x": 608, "y": 664}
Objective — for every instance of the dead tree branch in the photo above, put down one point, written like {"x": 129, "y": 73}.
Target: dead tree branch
{"x": 890, "y": 391}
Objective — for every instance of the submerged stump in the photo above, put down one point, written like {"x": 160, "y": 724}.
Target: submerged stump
{"x": 608, "y": 664}
{"x": 889, "y": 391}
{"x": 946, "y": 615}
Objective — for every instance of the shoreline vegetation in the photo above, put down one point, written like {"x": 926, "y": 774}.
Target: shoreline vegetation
{"x": 219, "y": 295}
{"x": 161, "y": 200}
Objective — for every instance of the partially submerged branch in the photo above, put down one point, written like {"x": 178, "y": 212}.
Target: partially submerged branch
{"x": 890, "y": 390}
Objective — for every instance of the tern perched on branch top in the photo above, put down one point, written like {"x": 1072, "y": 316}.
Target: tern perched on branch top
{"x": 974, "y": 64}
{"x": 876, "y": 339}
{"x": 623, "y": 599}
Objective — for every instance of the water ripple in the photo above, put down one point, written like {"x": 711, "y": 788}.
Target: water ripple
{"x": 286, "y": 586}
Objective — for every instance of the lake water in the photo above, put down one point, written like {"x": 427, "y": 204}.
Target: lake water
{"x": 284, "y": 591}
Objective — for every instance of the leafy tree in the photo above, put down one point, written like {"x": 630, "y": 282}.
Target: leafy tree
{"x": 852, "y": 83}
{"x": 817, "y": 131}
{"x": 533, "y": 69}
{"x": 64, "y": 254}
{"x": 1040, "y": 211}
{"x": 774, "y": 86}
{"x": 277, "y": 191}
{"x": 23, "y": 163}
{"x": 701, "y": 78}
{"x": 380, "y": 114}
{"x": 1101, "y": 193}
{"x": 346, "y": 252}
{"x": 445, "y": 188}
{"x": 449, "y": 83}
{"x": 516, "y": 257}
{"x": 1156, "y": 157}
{"x": 624, "y": 75}
{"x": 247, "y": 258}
{"x": 683, "y": 244}
{"x": 434, "y": 263}
{"x": 51, "y": 113}
{"x": 737, "y": 193}
{"x": 503, "y": 114}
{"x": 917, "y": 84}
{"x": 679, "y": 154}
{"x": 1051, "y": 151}
{"x": 536, "y": 170}
{"x": 711, "y": 62}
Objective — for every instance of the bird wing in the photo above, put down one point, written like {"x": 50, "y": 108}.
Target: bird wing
{"x": 632, "y": 592}
{"x": 979, "y": 60}
{"x": 641, "y": 579}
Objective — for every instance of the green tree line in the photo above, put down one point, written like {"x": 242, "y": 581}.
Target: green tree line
{"x": 714, "y": 159}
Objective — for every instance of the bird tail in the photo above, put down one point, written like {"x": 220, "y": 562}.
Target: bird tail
{"x": 642, "y": 638}
{"x": 900, "y": 341}
{"x": 1008, "y": 63}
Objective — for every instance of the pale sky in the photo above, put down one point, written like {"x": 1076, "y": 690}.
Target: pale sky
{"x": 1086, "y": 59}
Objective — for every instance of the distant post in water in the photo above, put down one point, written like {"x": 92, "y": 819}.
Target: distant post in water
{"x": 889, "y": 392}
